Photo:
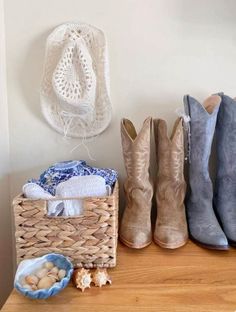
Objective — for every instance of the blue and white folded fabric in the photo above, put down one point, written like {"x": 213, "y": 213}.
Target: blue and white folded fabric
{"x": 76, "y": 187}
{"x": 63, "y": 171}
{"x": 70, "y": 179}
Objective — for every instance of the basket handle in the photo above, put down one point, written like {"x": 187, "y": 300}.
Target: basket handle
{"x": 73, "y": 206}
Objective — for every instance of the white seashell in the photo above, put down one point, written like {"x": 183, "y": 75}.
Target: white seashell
{"x": 48, "y": 265}
{"x": 45, "y": 282}
{"x": 82, "y": 279}
{"x": 101, "y": 277}
{"x": 22, "y": 281}
{"x": 61, "y": 274}
{"x": 26, "y": 286}
{"x": 31, "y": 280}
{"x": 41, "y": 273}
{"x": 54, "y": 270}
{"x": 34, "y": 287}
{"x": 53, "y": 276}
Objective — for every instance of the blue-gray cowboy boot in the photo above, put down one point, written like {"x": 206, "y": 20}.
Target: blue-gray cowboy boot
{"x": 225, "y": 195}
{"x": 203, "y": 224}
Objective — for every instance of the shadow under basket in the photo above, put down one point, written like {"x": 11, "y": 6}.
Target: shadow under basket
{"x": 88, "y": 240}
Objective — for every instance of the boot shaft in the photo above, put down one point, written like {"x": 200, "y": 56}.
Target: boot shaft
{"x": 136, "y": 150}
{"x": 169, "y": 151}
{"x": 226, "y": 138}
{"x": 202, "y": 127}
{"x": 225, "y": 195}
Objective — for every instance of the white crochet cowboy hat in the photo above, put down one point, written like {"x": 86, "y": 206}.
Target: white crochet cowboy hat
{"x": 74, "y": 95}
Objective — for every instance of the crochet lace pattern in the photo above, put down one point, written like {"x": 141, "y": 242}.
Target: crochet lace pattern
{"x": 75, "y": 97}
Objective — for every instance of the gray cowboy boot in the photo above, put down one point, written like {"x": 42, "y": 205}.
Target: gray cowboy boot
{"x": 203, "y": 225}
{"x": 225, "y": 195}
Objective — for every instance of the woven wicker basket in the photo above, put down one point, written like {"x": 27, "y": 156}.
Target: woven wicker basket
{"x": 88, "y": 241}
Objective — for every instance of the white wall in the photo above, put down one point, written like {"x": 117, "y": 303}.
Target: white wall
{"x": 5, "y": 208}
{"x": 159, "y": 50}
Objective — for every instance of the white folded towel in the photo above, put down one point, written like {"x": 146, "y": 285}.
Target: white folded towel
{"x": 81, "y": 186}
{"x": 35, "y": 191}
{"x": 78, "y": 186}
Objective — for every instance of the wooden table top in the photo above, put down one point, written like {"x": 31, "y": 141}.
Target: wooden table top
{"x": 153, "y": 279}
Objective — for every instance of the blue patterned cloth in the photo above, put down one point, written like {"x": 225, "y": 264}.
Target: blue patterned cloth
{"x": 63, "y": 171}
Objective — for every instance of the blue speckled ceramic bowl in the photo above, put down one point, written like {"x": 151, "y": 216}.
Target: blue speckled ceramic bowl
{"x": 27, "y": 267}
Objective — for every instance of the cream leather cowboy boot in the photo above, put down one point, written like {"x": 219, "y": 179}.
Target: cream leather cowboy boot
{"x": 171, "y": 224}
{"x": 135, "y": 230}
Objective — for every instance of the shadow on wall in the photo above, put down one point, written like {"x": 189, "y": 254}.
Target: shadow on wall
{"x": 6, "y": 278}
{"x": 31, "y": 74}
{"x": 6, "y": 270}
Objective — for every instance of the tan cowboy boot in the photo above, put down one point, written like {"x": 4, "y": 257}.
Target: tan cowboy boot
{"x": 171, "y": 225}
{"x": 135, "y": 230}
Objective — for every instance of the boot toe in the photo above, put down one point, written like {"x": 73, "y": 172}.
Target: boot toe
{"x": 217, "y": 241}
{"x": 171, "y": 238}
{"x": 227, "y": 216}
{"x": 135, "y": 237}
{"x": 230, "y": 232}
{"x": 204, "y": 228}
